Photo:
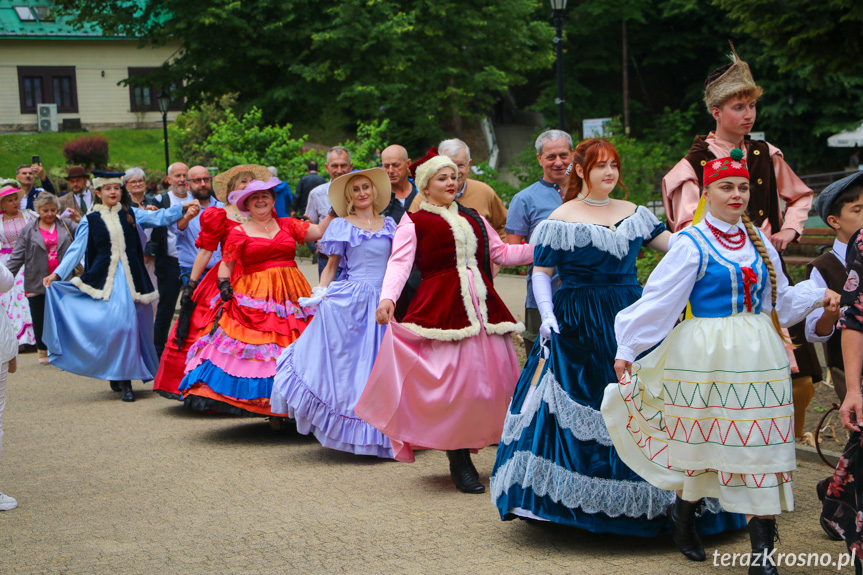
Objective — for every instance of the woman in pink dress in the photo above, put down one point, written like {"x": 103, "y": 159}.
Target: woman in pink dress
{"x": 444, "y": 375}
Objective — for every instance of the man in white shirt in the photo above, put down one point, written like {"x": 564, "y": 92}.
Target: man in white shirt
{"x": 163, "y": 244}
{"x": 318, "y": 206}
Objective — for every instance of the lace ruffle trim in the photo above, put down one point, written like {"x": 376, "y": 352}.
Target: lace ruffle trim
{"x": 560, "y": 235}
{"x": 590, "y": 494}
{"x": 583, "y": 422}
{"x": 340, "y": 231}
{"x": 284, "y": 311}
{"x": 234, "y": 348}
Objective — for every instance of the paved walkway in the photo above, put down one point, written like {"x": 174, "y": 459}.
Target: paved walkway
{"x": 107, "y": 487}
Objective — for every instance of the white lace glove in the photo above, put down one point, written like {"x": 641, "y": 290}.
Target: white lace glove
{"x": 542, "y": 294}
{"x": 319, "y": 294}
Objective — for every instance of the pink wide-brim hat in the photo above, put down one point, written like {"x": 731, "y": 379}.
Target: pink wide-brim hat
{"x": 9, "y": 190}
{"x": 239, "y": 197}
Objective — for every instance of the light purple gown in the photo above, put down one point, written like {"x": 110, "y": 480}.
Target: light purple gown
{"x": 320, "y": 377}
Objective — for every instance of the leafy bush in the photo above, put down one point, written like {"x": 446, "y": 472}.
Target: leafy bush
{"x": 88, "y": 151}
{"x": 489, "y": 175}
{"x": 193, "y": 127}
{"x": 247, "y": 139}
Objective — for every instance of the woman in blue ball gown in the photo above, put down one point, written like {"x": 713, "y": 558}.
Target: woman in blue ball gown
{"x": 555, "y": 461}
{"x": 321, "y": 376}
{"x": 100, "y": 324}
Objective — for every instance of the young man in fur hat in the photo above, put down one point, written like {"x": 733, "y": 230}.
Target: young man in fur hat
{"x": 731, "y": 95}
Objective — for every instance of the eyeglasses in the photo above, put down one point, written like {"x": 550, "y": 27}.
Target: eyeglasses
{"x": 135, "y": 182}
{"x": 201, "y": 180}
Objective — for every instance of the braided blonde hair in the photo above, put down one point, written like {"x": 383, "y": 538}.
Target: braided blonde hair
{"x": 762, "y": 251}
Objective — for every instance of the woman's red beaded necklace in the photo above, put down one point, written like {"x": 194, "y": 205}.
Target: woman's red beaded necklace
{"x": 732, "y": 241}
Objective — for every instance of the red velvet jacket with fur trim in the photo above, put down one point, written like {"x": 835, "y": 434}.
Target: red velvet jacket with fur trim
{"x": 448, "y": 247}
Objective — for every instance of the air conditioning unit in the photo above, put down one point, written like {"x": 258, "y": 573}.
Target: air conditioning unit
{"x": 46, "y": 115}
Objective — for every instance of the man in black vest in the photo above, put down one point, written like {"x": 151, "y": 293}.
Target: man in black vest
{"x": 840, "y": 205}
{"x": 163, "y": 245}
{"x": 396, "y": 162}
{"x": 306, "y": 184}
{"x": 731, "y": 94}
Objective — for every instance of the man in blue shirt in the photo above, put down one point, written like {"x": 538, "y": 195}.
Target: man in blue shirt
{"x": 187, "y": 232}
{"x": 534, "y": 204}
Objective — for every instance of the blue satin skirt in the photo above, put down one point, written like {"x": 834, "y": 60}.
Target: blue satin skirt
{"x": 556, "y": 460}
{"x": 110, "y": 340}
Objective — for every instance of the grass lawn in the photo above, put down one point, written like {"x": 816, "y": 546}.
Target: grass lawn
{"x": 127, "y": 148}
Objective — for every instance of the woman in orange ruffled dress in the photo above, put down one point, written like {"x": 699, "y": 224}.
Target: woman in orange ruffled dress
{"x": 195, "y": 309}
{"x": 231, "y": 368}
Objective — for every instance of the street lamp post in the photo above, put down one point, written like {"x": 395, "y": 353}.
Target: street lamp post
{"x": 164, "y": 100}
{"x": 557, "y": 8}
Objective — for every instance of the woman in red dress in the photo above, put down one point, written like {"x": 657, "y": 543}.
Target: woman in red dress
{"x": 195, "y": 310}
{"x": 231, "y": 367}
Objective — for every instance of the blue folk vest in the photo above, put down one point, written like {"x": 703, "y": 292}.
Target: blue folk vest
{"x": 719, "y": 287}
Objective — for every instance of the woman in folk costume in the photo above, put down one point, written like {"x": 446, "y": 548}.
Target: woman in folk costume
{"x": 779, "y": 201}
{"x": 101, "y": 324}
{"x": 321, "y": 376}
{"x": 231, "y": 367}
{"x": 444, "y": 376}
{"x": 197, "y": 304}
{"x": 555, "y": 461}
{"x": 709, "y": 412}
{"x": 14, "y": 302}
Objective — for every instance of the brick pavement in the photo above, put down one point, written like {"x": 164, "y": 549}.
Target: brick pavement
{"x": 106, "y": 487}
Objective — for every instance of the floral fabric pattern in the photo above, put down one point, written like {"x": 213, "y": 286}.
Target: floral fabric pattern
{"x": 852, "y": 292}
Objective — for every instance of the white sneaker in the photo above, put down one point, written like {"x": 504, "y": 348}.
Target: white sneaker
{"x": 7, "y": 503}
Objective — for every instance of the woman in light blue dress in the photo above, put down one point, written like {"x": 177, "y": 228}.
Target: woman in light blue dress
{"x": 100, "y": 324}
{"x": 321, "y": 376}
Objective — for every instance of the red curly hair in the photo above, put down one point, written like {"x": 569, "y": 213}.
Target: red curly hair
{"x": 587, "y": 154}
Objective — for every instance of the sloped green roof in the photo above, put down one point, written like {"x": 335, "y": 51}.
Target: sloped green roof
{"x": 12, "y": 26}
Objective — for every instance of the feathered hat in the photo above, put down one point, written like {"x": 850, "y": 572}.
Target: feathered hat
{"x": 736, "y": 79}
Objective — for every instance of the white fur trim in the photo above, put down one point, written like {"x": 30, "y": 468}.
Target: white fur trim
{"x": 443, "y": 334}
{"x": 111, "y": 217}
{"x": 465, "y": 248}
{"x": 99, "y": 182}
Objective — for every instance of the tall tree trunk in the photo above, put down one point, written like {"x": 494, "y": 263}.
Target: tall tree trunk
{"x": 625, "y": 63}
{"x": 456, "y": 117}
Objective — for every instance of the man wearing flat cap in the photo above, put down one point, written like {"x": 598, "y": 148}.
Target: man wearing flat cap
{"x": 840, "y": 205}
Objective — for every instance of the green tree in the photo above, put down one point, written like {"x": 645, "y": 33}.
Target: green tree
{"x": 248, "y": 139}
{"x": 423, "y": 64}
{"x": 820, "y": 42}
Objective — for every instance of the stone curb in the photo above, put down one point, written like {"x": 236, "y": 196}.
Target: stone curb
{"x": 810, "y": 454}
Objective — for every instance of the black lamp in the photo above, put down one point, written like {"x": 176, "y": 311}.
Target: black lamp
{"x": 557, "y": 8}
{"x": 164, "y": 101}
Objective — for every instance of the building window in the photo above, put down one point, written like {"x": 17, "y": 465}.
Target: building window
{"x": 143, "y": 99}
{"x": 25, "y": 14}
{"x": 47, "y": 85}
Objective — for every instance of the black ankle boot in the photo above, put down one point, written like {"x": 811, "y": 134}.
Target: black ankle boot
{"x": 682, "y": 516}
{"x": 115, "y": 385}
{"x": 126, "y": 388}
{"x": 461, "y": 471}
{"x": 762, "y": 534}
